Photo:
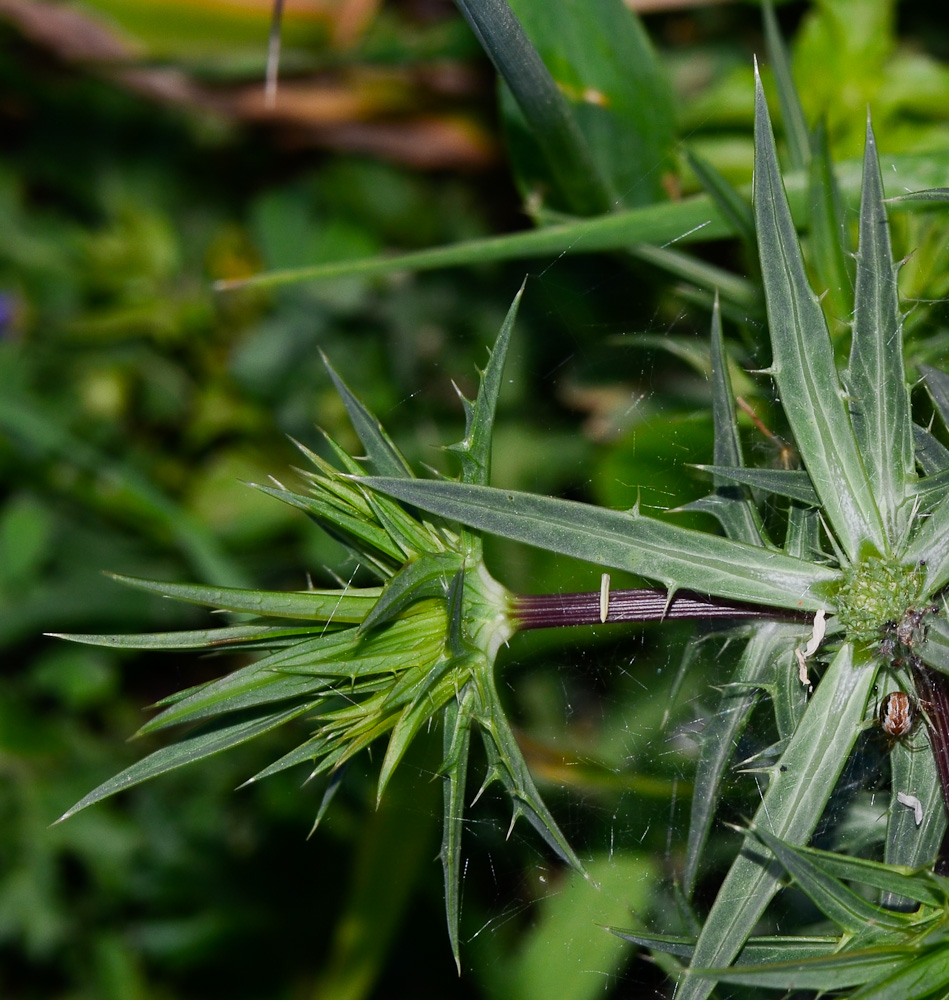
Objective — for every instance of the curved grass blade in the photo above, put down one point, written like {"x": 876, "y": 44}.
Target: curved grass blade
{"x": 803, "y": 365}
{"x": 731, "y": 203}
{"x": 681, "y": 558}
{"x": 543, "y": 106}
{"x": 792, "y": 114}
{"x": 690, "y": 220}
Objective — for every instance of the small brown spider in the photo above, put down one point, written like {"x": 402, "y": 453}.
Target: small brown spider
{"x": 898, "y": 715}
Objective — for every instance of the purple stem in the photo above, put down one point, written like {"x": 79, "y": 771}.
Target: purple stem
{"x": 932, "y": 688}
{"x": 641, "y": 605}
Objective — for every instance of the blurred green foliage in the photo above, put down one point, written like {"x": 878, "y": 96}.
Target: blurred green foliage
{"x": 133, "y": 401}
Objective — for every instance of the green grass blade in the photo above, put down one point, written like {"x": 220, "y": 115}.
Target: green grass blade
{"x": 213, "y": 739}
{"x": 732, "y": 204}
{"x": 792, "y": 114}
{"x": 803, "y": 364}
{"x": 681, "y": 558}
{"x": 790, "y": 809}
{"x": 687, "y": 221}
{"x": 876, "y": 379}
{"x": 737, "y": 292}
{"x": 618, "y": 91}
{"x": 544, "y": 107}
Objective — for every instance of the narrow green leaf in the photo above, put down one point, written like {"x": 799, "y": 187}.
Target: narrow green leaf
{"x": 758, "y": 950}
{"x": 913, "y": 773}
{"x": 308, "y": 751}
{"x": 723, "y": 730}
{"x": 876, "y": 379}
{"x": 803, "y": 366}
{"x": 735, "y": 510}
{"x": 932, "y": 194}
{"x": 831, "y": 972}
{"x": 922, "y": 977}
{"x": 931, "y": 453}
{"x": 930, "y": 548}
{"x": 428, "y": 700}
{"x": 543, "y": 106}
{"x": 791, "y": 807}
{"x": 311, "y": 605}
{"x": 792, "y": 114}
{"x": 212, "y": 739}
{"x": 507, "y": 762}
{"x": 933, "y": 488}
{"x": 679, "y": 557}
{"x": 198, "y": 639}
{"x": 920, "y": 885}
{"x": 849, "y": 911}
{"x": 458, "y": 717}
{"x": 246, "y": 688}
{"x": 385, "y": 457}
{"x": 795, "y": 484}
{"x": 937, "y": 382}
{"x": 338, "y": 522}
{"x": 935, "y": 650}
{"x": 475, "y": 450}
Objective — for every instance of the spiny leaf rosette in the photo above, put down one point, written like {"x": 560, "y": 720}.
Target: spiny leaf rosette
{"x": 865, "y": 553}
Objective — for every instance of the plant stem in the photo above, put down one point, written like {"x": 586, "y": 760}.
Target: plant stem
{"x": 638, "y": 605}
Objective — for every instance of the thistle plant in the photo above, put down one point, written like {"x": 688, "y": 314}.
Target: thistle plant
{"x": 837, "y": 567}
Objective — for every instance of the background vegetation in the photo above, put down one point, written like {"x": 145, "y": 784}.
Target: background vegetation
{"x": 140, "y": 164}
